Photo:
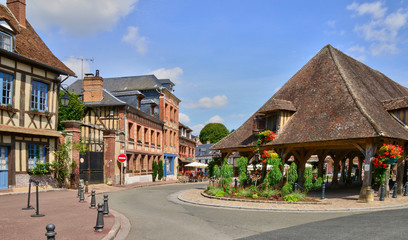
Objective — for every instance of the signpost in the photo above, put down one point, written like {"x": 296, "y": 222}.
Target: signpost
{"x": 122, "y": 158}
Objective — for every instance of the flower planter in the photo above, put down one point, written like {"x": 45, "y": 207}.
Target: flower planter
{"x": 392, "y": 160}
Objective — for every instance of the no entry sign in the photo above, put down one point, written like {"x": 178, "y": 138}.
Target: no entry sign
{"x": 122, "y": 158}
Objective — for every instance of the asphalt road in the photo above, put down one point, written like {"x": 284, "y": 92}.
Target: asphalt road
{"x": 155, "y": 213}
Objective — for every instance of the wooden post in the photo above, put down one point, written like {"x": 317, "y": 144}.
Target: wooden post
{"x": 360, "y": 168}
{"x": 349, "y": 182}
{"x": 335, "y": 178}
{"x": 369, "y": 153}
{"x": 321, "y": 155}
{"x": 343, "y": 170}
{"x": 302, "y": 156}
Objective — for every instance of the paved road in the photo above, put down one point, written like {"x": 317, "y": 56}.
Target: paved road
{"x": 155, "y": 214}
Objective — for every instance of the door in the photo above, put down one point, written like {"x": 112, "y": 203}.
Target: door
{"x": 3, "y": 167}
{"x": 95, "y": 167}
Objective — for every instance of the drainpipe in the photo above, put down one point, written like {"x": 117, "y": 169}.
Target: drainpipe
{"x": 124, "y": 145}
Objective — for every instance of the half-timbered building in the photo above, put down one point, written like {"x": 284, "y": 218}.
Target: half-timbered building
{"x": 29, "y": 82}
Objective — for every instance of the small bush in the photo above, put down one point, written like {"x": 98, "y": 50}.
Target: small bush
{"x": 308, "y": 184}
{"x": 254, "y": 196}
{"x": 41, "y": 169}
{"x": 154, "y": 173}
{"x": 220, "y": 194}
{"x": 291, "y": 198}
{"x": 213, "y": 191}
{"x": 299, "y": 195}
{"x": 269, "y": 193}
{"x": 318, "y": 183}
{"x": 286, "y": 189}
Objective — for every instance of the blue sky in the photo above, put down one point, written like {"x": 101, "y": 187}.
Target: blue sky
{"x": 226, "y": 57}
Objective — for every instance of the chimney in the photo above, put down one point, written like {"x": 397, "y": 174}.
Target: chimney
{"x": 18, "y": 8}
{"x": 93, "y": 87}
{"x": 152, "y": 106}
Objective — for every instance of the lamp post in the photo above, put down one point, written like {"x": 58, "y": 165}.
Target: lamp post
{"x": 65, "y": 100}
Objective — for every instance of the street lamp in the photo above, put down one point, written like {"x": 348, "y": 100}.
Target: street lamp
{"x": 65, "y": 100}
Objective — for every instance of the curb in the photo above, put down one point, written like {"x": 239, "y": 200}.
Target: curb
{"x": 120, "y": 228}
{"x": 332, "y": 210}
{"x": 45, "y": 190}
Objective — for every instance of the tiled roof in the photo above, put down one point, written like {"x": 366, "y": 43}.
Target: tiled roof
{"x": 336, "y": 98}
{"x": 30, "y": 47}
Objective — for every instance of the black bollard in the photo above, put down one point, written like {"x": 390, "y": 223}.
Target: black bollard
{"x": 382, "y": 192}
{"x": 105, "y": 205}
{"x": 50, "y": 232}
{"x": 327, "y": 180}
{"x": 79, "y": 189}
{"x": 394, "y": 194}
{"x": 29, "y": 196}
{"x": 236, "y": 183}
{"x": 81, "y": 195}
{"x": 86, "y": 186}
{"x": 37, "y": 210}
{"x": 406, "y": 189}
{"x": 99, "y": 219}
{"x": 323, "y": 191}
{"x": 296, "y": 187}
{"x": 93, "y": 202}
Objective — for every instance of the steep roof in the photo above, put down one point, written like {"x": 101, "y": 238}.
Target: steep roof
{"x": 30, "y": 47}
{"x": 336, "y": 98}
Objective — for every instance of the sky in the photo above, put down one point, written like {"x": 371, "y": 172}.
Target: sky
{"x": 227, "y": 58}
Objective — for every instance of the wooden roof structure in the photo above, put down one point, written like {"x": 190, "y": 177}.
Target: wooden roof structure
{"x": 335, "y": 98}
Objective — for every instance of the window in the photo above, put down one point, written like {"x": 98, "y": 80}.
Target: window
{"x": 36, "y": 153}
{"x": 6, "y": 83}
{"x": 3, "y": 158}
{"x": 272, "y": 123}
{"x": 6, "y": 41}
{"x": 39, "y": 96}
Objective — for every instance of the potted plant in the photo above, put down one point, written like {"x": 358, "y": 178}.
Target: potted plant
{"x": 389, "y": 153}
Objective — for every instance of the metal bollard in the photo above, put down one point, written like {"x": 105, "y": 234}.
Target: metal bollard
{"x": 406, "y": 189}
{"x": 86, "y": 186}
{"x": 327, "y": 180}
{"x": 81, "y": 195}
{"x": 79, "y": 189}
{"x": 29, "y": 194}
{"x": 236, "y": 183}
{"x": 50, "y": 232}
{"x": 99, "y": 219}
{"x": 296, "y": 187}
{"x": 105, "y": 205}
{"x": 382, "y": 192}
{"x": 37, "y": 210}
{"x": 323, "y": 191}
{"x": 394, "y": 194}
{"x": 93, "y": 202}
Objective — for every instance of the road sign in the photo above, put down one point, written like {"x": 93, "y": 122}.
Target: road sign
{"x": 122, "y": 158}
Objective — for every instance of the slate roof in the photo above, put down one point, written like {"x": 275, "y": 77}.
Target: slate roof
{"x": 29, "y": 47}
{"x": 336, "y": 98}
{"x": 107, "y": 100}
{"x": 204, "y": 150}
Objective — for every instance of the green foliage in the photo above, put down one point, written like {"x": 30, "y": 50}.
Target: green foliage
{"x": 318, "y": 183}
{"x": 211, "y": 164}
{"x": 75, "y": 110}
{"x": 160, "y": 170}
{"x": 41, "y": 169}
{"x": 290, "y": 198}
{"x": 81, "y": 147}
{"x": 220, "y": 194}
{"x": 274, "y": 176}
{"x": 214, "y": 190}
{"x": 254, "y": 196}
{"x": 154, "y": 169}
{"x": 301, "y": 196}
{"x": 226, "y": 175}
{"x": 61, "y": 163}
{"x": 268, "y": 192}
{"x": 292, "y": 173}
{"x": 286, "y": 189}
{"x": 242, "y": 163}
{"x": 308, "y": 184}
{"x": 213, "y": 132}
{"x": 216, "y": 171}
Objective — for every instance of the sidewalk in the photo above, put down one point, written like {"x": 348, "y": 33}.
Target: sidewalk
{"x": 73, "y": 220}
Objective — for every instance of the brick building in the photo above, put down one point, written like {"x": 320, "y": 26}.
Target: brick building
{"x": 187, "y": 146}
{"x": 29, "y": 85}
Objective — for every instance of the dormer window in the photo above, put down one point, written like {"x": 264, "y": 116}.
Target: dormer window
{"x": 272, "y": 123}
{"x": 6, "y": 41}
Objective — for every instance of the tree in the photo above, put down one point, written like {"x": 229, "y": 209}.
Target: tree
{"x": 75, "y": 110}
{"x": 154, "y": 174}
{"x": 160, "y": 170}
{"x": 213, "y": 132}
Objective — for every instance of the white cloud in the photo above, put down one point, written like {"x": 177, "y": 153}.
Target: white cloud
{"x": 206, "y": 102}
{"x": 173, "y": 74}
{"x": 382, "y": 29}
{"x": 184, "y": 118}
{"x": 215, "y": 119}
{"x": 134, "y": 39}
{"x": 197, "y": 129}
{"x": 359, "y": 49}
{"x": 375, "y": 9}
{"x": 78, "y": 17}
{"x": 79, "y": 66}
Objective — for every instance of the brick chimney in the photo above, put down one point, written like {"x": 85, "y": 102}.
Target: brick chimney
{"x": 93, "y": 87}
{"x": 18, "y": 8}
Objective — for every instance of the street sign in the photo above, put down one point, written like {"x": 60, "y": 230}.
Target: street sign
{"x": 122, "y": 158}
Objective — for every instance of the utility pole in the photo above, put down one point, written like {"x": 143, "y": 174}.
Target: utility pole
{"x": 82, "y": 64}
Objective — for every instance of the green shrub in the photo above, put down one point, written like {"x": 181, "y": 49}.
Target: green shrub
{"x": 220, "y": 194}
{"x": 254, "y": 196}
{"x": 160, "y": 170}
{"x": 41, "y": 169}
{"x": 308, "y": 184}
{"x": 286, "y": 189}
{"x": 217, "y": 171}
{"x": 247, "y": 192}
{"x": 318, "y": 183}
{"x": 292, "y": 173}
{"x": 213, "y": 191}
{"x": 291, "y": 198}
{"x": 242, "y": 163}
{"x": 154, "y": 173}
{"x": 226, "y": 174}
{"x": 269, "y": 193}
{"x": 299, "y": 195}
